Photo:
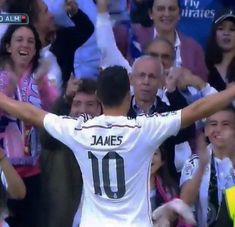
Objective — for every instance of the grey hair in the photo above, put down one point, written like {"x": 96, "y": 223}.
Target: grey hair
{"x": 146, "y": 57}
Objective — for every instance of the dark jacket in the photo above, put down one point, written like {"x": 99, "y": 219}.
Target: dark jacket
{"x": 215, "y": 79}
{"x": 68, "y": 39}
{"x": 177, "y": 101}
{"x": 61, "y": 179}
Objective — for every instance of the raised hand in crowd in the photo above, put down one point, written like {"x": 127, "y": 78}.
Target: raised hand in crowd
{"x": 203, "y": 154}
{"x": 71, "y": 7}
{"x": 171, "y": 80}
{"x": 181, "y": 78}
{"x": 72, "y": 87}
{"x": 190, "y": 189}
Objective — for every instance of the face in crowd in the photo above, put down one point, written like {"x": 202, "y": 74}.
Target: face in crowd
{"x": 220, "y": 129}
{"x": 163, "y": 51}
{"x": 157, "y": 162}
{"x": 165, "y": 14}
{"x": 85, "y": 103}
{"x": 146, "y": 79}
{"x": 22, "y": 46}
{"x": 45, "y": 21}
{"x": 225, "y": 35}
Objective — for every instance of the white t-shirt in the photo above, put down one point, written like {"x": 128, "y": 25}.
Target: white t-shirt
{"x": 114, "y": 154}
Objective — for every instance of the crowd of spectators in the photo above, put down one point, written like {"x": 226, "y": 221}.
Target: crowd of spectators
{"x": 173, "y": 58}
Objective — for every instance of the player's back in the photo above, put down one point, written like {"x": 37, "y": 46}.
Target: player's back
{"x": 114, "y": 154}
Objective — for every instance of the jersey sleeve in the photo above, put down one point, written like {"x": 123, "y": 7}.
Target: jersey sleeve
{"x": 158, "y": 127}
{"x": 189, "y": 169}
{"x": 62, "y": 127}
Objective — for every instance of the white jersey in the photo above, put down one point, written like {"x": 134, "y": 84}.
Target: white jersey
{"x": 114, "y": 154}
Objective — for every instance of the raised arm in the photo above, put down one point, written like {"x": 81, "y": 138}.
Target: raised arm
{"x": 110, "y": 54}
{"x": 207, "y": 106}
{"x": 190, "y": 189}
{"x": 77, "y": 35}
{"x": 183, "y": 79}
{"x": 22, "y": 110}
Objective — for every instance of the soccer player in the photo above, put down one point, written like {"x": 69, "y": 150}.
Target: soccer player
{"x": 115, "y": 152}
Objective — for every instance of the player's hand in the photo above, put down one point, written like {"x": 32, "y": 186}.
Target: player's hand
{"x": 71, "y": 7}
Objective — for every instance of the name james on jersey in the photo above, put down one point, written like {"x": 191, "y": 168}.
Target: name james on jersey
{"x": 106, "y": 140}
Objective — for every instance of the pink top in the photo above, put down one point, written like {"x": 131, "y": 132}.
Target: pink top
{"x": 19, "y": 140}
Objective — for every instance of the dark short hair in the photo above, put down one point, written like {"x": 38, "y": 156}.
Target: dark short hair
{"x": 228, "y": 108}
{"x": 113, "y": 85}
{"x": 6, "y": 39}
{"x": 29, "y": 7}
{"x": 87, "y": 86}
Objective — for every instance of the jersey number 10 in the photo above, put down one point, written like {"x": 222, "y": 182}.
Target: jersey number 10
{"x": 121, "y": 188}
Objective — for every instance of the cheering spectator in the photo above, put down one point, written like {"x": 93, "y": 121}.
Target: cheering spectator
{"x": 61, "y": 42}
{"x": 165, "y": 15}
{"x": 218, "y": 173}
{"x": 23, "y": 79}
